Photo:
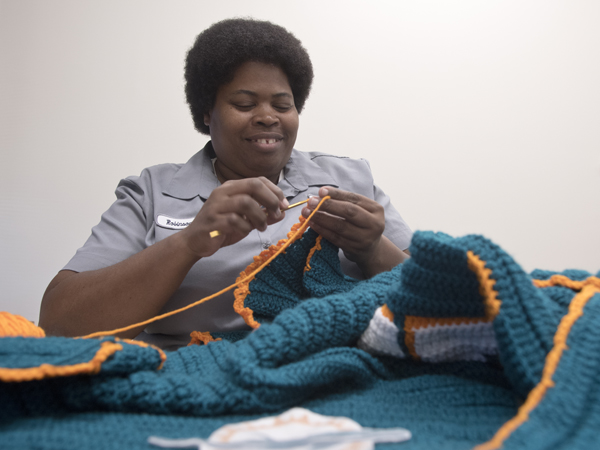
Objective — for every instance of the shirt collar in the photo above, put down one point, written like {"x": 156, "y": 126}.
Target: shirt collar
{"x": 196, "y": 177}
{"x": 301, "y": 172}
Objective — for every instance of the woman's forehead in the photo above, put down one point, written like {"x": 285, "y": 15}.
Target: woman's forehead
{"x": 252, "y": 78}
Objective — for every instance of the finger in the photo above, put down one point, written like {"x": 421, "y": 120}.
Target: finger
{"x": 356, "y": 210}
{"x": 252, "y": 198}
{"x": 283, "y": 202}
{"x": 271, "y": 219}
{"x": 350, "y": 243}
{"x": 256, "y": 215}
{"x": 350, "y": 197}
{"x": 336, "y": 225}
{"x": 231, "y": 227}
{"x": 264, "y": 192}
{"x": 247, "y": 208}
{"x": 271, "y": 199}
{"x": 209, "y": 232}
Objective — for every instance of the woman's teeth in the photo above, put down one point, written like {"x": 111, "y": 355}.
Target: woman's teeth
{"x": 266, "y": 141}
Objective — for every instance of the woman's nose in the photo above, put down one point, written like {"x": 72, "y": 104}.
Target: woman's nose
{"x": 265, "y": 116}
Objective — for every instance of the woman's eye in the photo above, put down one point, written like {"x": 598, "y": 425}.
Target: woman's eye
{"x": 243, "y": 106}
{"x": 283, "y": 108}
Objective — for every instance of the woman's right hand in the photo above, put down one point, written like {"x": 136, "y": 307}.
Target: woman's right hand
{"x": 234, "y": 209}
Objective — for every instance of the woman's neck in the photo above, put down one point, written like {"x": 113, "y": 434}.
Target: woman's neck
{"x": 222, "y": 178}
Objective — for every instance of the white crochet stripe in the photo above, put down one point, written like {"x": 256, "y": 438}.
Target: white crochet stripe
{"x": 456, "y": 342}
{"x": 381, "y": 337}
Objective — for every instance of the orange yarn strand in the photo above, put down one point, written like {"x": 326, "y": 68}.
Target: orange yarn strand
{"x": 315, "y": 248}
{"x": 238, "y": 282}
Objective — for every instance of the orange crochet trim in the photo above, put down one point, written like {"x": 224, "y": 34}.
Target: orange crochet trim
{"x": 248, "y": 274}
{"x": 163, "y": 355}
{"x": 91, "y": 367}
{"x": 315, "y": 248}
{"x": 289, "y": 242}
{"x": 13, "y": 325}
{"x": 561, "y": 280}
{"x": 201, "y": 337}
{"x": 387, "y": 313}
{"x": 486, "y": 285}
{"x": 409, "y": 339}
{"x": 537, "y": 394}
{"x": 413, "y": 323}
{"x": 416, "y": 322}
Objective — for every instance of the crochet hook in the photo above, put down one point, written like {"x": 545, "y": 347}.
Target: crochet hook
{"x": 295, "y": 204}
{"x": 215, "y": 233}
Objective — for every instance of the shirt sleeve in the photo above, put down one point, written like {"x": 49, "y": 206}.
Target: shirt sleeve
{"x": 121, "y": 233}
{"x": 396, "y": 229}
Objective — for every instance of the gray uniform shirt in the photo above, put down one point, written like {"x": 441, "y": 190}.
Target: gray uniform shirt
{"x": 166, "y": 198}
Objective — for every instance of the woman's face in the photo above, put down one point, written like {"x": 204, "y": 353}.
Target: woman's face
{"x": 254, "y": 122}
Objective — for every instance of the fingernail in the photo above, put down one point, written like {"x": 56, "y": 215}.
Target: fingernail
{"x": 284, "y": 203}
{"x": 324, "y": 192}
{"x": 313, "y": 202}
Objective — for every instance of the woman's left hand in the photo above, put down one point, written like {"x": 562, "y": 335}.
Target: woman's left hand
{"x": 355, "y": 224}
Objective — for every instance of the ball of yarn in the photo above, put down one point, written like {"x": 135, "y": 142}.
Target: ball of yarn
{"x": 12, "y": 325}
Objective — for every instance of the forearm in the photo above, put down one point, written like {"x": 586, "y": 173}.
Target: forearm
{"x": 137, "y": 288}
{"x": 385, "y": 258}
{"x": 131, "y": 291}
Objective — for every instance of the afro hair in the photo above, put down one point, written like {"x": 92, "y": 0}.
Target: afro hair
{"x": 221, "y": 49}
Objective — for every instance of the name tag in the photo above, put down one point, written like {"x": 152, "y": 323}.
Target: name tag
{"x": 173, "y": 223}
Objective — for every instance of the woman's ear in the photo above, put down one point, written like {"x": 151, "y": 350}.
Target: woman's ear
{"x": 207, "y": 119}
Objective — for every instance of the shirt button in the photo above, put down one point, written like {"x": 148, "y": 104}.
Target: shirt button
{"x": 266, "y": 245}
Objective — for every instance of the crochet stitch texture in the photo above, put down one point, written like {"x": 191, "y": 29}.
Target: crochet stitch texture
{"x": 483, "y": 354}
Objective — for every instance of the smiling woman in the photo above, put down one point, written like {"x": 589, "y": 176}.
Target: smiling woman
{"x": 178, "y": 233}
{"x": 253, "y": 124}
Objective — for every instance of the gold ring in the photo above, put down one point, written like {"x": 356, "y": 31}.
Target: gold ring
{"x": 215, "y": 233}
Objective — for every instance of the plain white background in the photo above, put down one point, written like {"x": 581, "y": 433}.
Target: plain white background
{"x": 476, "y": 116}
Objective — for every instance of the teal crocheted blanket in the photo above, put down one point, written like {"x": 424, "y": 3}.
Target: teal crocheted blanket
{"x": 459, "y": 345}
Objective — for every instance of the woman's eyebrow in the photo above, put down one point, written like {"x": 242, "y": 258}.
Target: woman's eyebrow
{"x": 244, "y": 91}
{"x": 254, "y": 94}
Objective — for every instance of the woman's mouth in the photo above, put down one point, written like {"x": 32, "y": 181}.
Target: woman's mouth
{"x": 265, "y": 141}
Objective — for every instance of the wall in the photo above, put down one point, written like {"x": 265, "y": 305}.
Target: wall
{"x": 477, "y": 116}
